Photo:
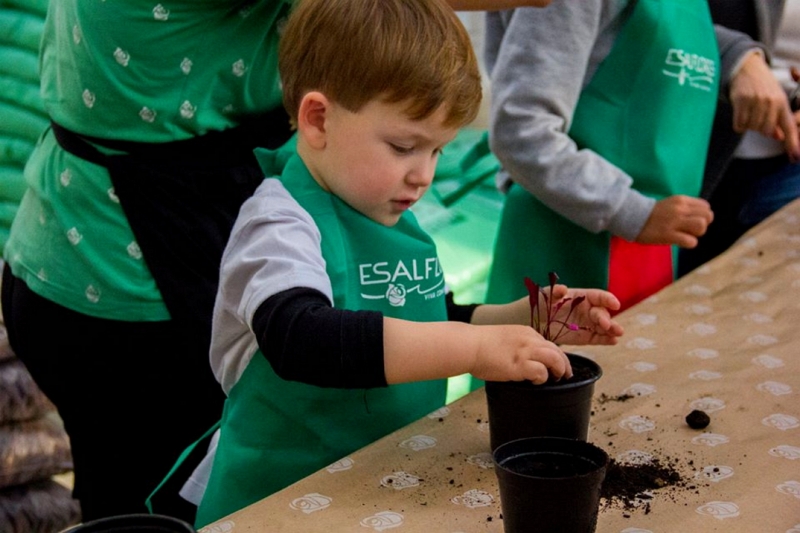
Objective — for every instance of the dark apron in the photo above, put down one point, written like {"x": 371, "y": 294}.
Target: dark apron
{"x": 181, "y": 199}
{"x": 648, "y": 110}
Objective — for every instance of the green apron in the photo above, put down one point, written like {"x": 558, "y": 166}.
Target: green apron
{"x": 648, "y": 110}
{"x": 275, "y": 432}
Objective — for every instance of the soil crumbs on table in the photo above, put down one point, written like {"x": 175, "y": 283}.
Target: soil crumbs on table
{"x": 633, "y": 486}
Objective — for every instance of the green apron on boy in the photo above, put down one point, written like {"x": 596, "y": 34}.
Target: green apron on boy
{"x": 275, "y": 432}
{"x": 648, "y": 110}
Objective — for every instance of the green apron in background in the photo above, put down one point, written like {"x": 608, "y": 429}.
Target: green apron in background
{"x": 648, "y": 110}
{"x": 275, "y": 432}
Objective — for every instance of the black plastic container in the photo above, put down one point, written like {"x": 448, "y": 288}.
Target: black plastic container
{"x": 550, "y": 484}
{"x": 562, "y": 408}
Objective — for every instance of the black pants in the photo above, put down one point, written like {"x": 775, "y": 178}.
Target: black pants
{"x": 132, "y": 396}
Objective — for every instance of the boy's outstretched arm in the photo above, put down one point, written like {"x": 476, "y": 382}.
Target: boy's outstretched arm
{"x": 305, "y": 339}
{"x": 417, "y": 351}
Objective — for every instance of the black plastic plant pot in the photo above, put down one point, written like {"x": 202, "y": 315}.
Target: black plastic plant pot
{"x": 562, "y": 408}
{"x": 550, "y": 484}
{"x": 134, "y": 523}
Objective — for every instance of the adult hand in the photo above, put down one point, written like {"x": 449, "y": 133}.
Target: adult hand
{"x": 677, "y": 220}
{"x": 760, "y": 103}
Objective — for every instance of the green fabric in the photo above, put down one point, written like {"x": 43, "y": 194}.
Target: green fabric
{"x": 7, "y": 212}
{"x": 460, "y": 212}
{"x": 464, "y": 233}
{"x": 20, "y": 28}
{"x": 12, "y": 184}
{"x": 22, "y": 94}
{"x": 38, "y": 7}
{"x": 19, "y": 63}
{"x": 641, "y": 112}
{"x": 206, "y": 66}
{"x": 274, "y": 432}
{"x": 22, "y": 117}
{"x": 79, "y": 253}
{"x": 14, "y": 150}
{"x": 464, "y": 165}
{"x": 16, "y": 121}
{"x": 230, "y": 69}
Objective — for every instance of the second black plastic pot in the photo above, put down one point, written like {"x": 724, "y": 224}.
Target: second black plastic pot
{"x": 550, "y": 484}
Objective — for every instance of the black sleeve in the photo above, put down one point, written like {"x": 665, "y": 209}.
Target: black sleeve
{"x": 458, "y": 313}
{"x": 305, "y": 339}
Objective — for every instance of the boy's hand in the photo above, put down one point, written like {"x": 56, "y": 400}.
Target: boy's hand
{"x": 517, "y": 353}
{"x": 593, "y": 314}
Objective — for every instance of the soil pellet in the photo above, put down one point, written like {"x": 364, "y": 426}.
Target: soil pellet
{"x": 697, "y": 419}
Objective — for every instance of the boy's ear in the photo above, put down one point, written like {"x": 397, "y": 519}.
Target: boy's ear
{"x": 311, "y": 116}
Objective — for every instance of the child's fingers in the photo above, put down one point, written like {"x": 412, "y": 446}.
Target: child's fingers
{"x": 543, "y": 362}
{"x": 534, "y": 371}
{"x": 567, "y": 366}
{"x": 554, "y": 361}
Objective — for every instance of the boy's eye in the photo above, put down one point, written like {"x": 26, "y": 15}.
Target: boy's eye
{"x": 401, "y": 149}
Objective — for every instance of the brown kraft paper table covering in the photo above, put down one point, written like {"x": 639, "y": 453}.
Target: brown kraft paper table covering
{"x": 725, "y": 339}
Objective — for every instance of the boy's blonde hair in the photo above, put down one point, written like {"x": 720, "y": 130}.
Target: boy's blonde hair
{"x": 353, "y": 51}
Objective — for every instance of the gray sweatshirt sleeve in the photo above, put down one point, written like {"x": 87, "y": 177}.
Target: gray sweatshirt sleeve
{"x": 539, "y": 60}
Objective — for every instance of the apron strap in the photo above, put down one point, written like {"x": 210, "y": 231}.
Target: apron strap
{"x": 181, "y": 458}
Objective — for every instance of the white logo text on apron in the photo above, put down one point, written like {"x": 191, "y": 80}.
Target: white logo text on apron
{"x": 696, "y": 71}
{"x": 396, "y": 282}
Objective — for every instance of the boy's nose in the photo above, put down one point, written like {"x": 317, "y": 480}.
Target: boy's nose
{"x": 422, "y": 174}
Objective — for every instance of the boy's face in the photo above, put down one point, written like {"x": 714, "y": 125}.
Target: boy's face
{"x": 378, "y": 160}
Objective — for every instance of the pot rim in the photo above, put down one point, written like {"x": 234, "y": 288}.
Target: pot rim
{"x": 587, "y": 451}
{"x": 556, "y": 385}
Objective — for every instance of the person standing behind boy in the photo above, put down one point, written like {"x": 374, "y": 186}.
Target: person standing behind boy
{"x": 750, "y": 175}
{"x": 115, "y": 248}
{"x": 601, "y": 114}
{"x": 329, "y": 289}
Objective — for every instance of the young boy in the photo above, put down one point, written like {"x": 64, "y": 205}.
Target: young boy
{"x": 331, "y": 323}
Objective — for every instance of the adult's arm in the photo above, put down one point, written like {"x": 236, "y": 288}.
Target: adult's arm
{"x": 758, "y": 100}
{"x": 733, "y": 49}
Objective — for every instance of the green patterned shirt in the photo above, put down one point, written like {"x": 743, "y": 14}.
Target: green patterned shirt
{"x": 135, "y": 71}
